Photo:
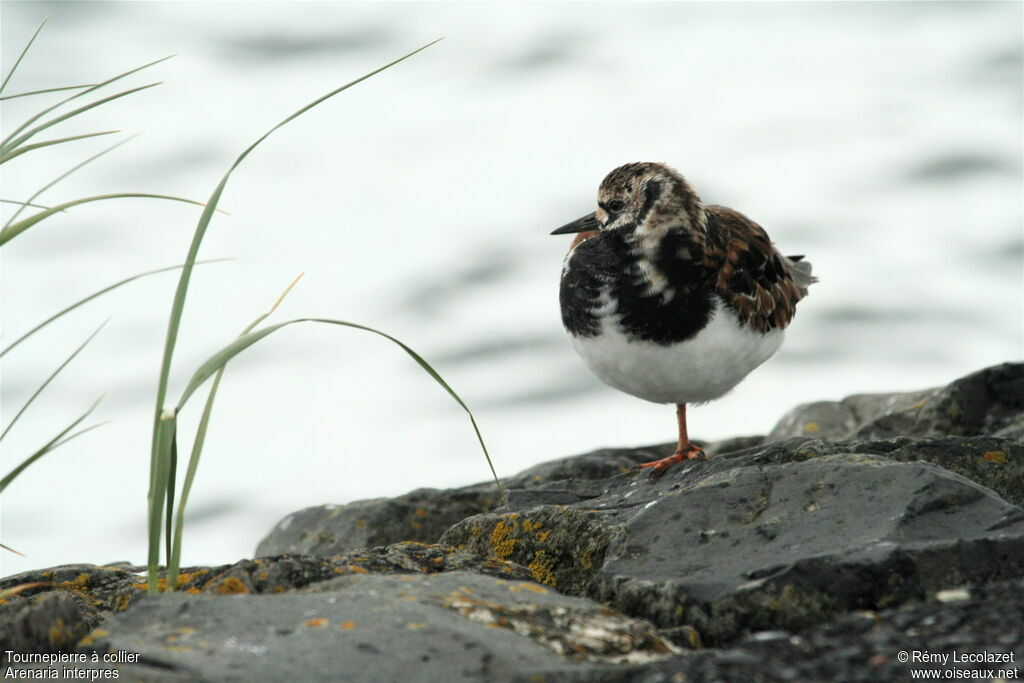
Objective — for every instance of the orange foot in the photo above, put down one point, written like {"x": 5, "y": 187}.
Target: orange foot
{"x": 659, "y": 467}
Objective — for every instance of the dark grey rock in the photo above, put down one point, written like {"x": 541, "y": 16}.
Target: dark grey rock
{"x": 455, "y": 626}
{"x": 51, "y": 622}
{"x": 767, "y": 538}
{"x": 805, "y": 558}
{"x": 421, "y": 515}
{"x": 988, "y": 402}
{"x": 997, "y": 463}
{"x": 424, "y": 514}
{"x": 861, "y": 647}
{"x": 57, "y": 607}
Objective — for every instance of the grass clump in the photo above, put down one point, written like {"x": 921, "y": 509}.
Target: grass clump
{"x": 163, "y": 521}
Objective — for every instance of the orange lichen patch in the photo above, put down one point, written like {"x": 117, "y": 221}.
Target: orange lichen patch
{"x": 348, "y": 625}
{"x": 356, "y": 569}
{"x": 229, "y": 586}
{"x": 172, "y": 638}
{"x": 416, "y": 625}
{"x": 811, "y": 427}
{"x": 438, "y": 560}
{"x": 192, "y": 578}
{"x": 57, "y": 632}
{"x": 416, "y": 525}
{"x": 278, "y": 589}
{"x": 530, "y": 525}
{"x": 503, "y": 537}
{"x": 995, "y": 456}
{"x": 78, "y": 585}
{"x": 540, "y": 568}
{"x": 520, "y": 587}
{"x": 122, "y": 602}
{"x": 475, "y": 531}
{"x": 360, "y": 523}
{"x": 542, "y": 536}
{"x": 420, "y": 512}
{"x": 183, "y": 578}
{"x": 317, "y": 622}
{"x": 92, "y": 637}
{"x": 588, "y": 559}
{"x": 263, "y": 575}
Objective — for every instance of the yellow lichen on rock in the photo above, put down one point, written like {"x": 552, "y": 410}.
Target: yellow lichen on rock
{"x": 503, "y": 539}
{"x": 518, "y": 587}
{"x": 530, "y": 525}
{"x": 995, "y": 456}
{"x": 540, "y": 568}
{"x": 229, "y": 586}
{"x": 92, "y": 637}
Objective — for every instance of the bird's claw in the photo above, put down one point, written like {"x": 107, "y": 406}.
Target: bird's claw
{"x": 659, "y": 467}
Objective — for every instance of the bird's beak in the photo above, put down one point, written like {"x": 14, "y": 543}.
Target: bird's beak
{"x": 585, "y": 224}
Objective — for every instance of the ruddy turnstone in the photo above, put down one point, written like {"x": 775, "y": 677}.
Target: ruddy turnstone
{"x": 670, "y": 300}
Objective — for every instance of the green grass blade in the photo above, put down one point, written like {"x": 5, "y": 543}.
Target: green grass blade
{"x": 46, "y": 111}
{"x": 172, "y": 478}
{"x": 219, "y": 359}
{"x": 68, "y": 172}
{"x": 97, "y": 294}
{"x": 46, "y": 143}
{"x": 53, "y": 443}
{"x": 10, "y": 145}
{"x": 174, "y": 557}
{"x": 23, "y": 204}
{"x": 50, "y": 378}
{"x": 204, "y": 221}
{"x": 178, "y": 304}
{"x": 24, "y": 51}
{"x": 174, "y": 553}
{"x": 166, "y": 440}
{"x": 30, "y": 93}
{"x": 12, "y": 231}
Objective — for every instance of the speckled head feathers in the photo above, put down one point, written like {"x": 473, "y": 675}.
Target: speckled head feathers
{"x": 648, "y": 197}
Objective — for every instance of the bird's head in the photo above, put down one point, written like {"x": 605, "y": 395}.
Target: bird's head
{"x": 642, "y": 199}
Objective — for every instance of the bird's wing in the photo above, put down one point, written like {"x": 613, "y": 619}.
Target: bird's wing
{"x": 757, "y": 282}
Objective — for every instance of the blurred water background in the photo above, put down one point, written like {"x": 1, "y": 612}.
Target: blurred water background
{"x": 883, "y": 140}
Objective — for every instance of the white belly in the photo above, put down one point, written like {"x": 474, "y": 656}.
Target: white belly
{"x": 698, "y": 370}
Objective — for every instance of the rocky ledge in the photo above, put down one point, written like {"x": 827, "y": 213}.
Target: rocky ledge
{"x": 861, "y": 540}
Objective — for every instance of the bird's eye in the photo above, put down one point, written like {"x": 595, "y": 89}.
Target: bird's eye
{"x": 616, "y": 205}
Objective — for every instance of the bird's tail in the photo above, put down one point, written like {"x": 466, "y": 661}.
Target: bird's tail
{"x": 801, "y": 272}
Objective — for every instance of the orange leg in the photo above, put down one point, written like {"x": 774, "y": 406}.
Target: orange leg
{"x": 684, "y": 451}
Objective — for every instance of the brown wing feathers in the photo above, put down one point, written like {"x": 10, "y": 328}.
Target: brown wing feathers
{"x": 754, "y": 280}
